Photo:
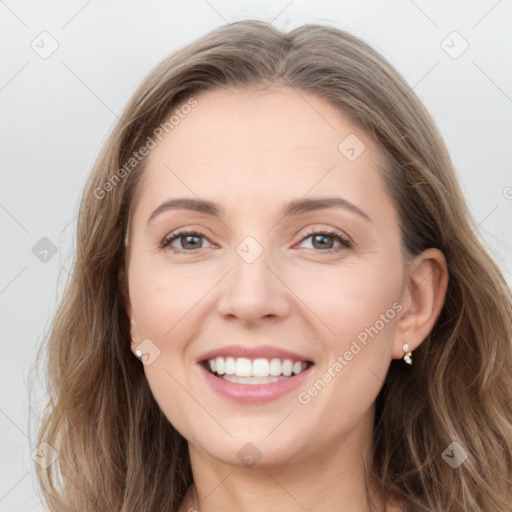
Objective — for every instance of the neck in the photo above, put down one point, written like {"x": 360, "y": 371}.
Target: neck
{"x": 334, "y": 479}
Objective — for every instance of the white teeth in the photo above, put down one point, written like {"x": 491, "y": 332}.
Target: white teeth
{"x": 252, "y": 380}
{"x": 242, "y": 368}
{"x": 275, "y": 367}
{"x": 297, "y": 367}
{"x": 260, "y": 368}
{"x": 229, "y": 367}
{"x": 287, "y": 367}
{"x": 219, "y": 362}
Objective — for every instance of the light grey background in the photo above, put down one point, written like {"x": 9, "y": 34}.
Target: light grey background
{"x": 57, "y": 111}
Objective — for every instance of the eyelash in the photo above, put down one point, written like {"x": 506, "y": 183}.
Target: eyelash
{"x": 344, "y": 242}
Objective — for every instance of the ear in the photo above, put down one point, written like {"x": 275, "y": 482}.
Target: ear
{"x": 422, "y": 300}
{"x": 125, "y": 291}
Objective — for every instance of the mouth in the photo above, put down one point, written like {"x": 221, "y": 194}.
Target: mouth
{"x": 244, "y": 370}
{"x": 254, "y": 374}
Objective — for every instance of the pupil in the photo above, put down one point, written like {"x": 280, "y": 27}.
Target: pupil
{"x": 189, "y": 242}
{"x": 324, "y": 242}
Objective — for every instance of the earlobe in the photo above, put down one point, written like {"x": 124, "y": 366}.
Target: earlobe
{"x": 135, "y": 338}
{"x": 424, "y": 296}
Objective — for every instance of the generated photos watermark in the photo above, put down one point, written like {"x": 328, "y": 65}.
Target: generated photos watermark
{"x": 356, "y": 346}
{"x": 137, "y": 156}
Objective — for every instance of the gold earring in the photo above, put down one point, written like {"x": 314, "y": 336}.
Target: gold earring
{"x": 407, "y": 353}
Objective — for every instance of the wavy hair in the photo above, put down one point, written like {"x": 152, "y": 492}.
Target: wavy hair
{"x": 117, "y": 450}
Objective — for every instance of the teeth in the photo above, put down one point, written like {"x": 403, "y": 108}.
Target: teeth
{"x": 243, "y": 369}
{"x": 252, "y": 380}
{"x": 261, "y": 368}
{"x": 287, "y": 367}
{"x": 230, "y": 366}
{"x": 219, "y": 363}
{"x": 275, "y": 367}
{"x": 297, "y": 367}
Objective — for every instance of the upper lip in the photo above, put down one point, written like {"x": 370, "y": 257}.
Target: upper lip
{"x": 262, "y": 351}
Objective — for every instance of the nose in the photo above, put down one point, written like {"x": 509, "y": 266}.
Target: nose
{"x": 253, "y": 292}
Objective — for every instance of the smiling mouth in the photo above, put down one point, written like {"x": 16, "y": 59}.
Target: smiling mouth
{"x": 242, "y": 370}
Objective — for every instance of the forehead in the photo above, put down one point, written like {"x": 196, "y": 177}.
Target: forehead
{"x": 255, "y": 125}
{"x": 253, "y": 145}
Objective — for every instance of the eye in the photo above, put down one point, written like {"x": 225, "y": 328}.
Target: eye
{"x": 322, "y": 241}
{"x": 326, "y": 241}
{"x": 188, "y": 240}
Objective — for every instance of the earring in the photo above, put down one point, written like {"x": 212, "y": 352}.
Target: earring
{"x": 407, "y": 353}
{"x": 138, "y": 353}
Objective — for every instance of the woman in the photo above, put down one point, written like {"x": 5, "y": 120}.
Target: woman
{"x": 278, "y": 300}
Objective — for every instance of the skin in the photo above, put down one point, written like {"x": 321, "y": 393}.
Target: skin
{"x": 250, "y": 152}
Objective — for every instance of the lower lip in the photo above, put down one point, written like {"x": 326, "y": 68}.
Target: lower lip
{"x": 254, "y": 393}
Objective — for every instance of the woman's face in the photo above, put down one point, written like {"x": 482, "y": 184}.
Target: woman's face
{"x": 263, "y": 240}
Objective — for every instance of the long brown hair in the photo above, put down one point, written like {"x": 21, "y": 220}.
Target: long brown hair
{"x": 116, "y": 449}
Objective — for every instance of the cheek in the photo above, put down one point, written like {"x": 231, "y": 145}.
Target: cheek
{"x": 355, "y": 360}
{"x": 352, "y": 299}
{"x": 163, "y": 302}
{"x": 166, "y": 304}
{"x": 358, "y": 307}
{"x": 162, "y": 297}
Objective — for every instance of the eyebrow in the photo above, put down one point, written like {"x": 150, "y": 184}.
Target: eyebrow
{"x": 295, "y": 207}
